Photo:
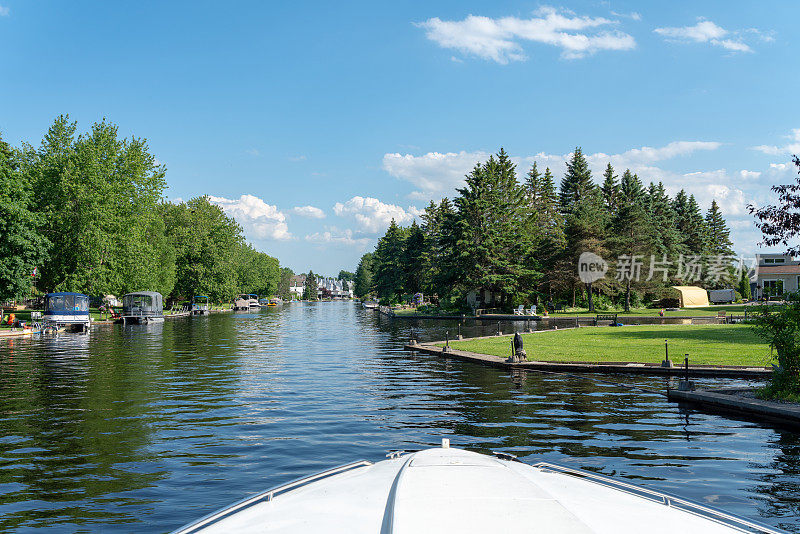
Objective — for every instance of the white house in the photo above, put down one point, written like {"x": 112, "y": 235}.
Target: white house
{"x": 774, "y": 275}
{"x": 296, "y": 285}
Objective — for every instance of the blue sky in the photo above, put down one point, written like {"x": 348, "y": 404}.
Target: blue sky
{"x": 316, "y": 123}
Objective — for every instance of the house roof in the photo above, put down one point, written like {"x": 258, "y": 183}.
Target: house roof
{"x": 778, "y": 269}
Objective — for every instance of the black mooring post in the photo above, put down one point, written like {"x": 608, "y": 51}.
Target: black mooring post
{"x": 686, "y": 364}
{"x": 513, "y": 352}
{"x": 666, "y": 349}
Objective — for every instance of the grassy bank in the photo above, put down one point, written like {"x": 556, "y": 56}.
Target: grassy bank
{"x": 710, "y": 311}
{"x": 705, "y": 344}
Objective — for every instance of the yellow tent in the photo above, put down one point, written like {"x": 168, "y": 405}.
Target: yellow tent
{"x": 692, "y": 296}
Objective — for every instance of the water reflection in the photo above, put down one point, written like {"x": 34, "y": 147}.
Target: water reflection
{"x": 147, "y": 427}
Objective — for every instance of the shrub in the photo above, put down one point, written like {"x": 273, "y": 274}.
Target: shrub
{"x": 780, "y": 327}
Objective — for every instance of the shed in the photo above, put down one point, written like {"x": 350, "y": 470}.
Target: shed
{"x": 692, "y": 296}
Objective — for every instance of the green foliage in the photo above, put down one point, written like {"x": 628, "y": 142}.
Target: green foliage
{"x": 22, "y": 247}
{"x": 310, "y": 287}
{"x": 88, "y": 210}
{"x": 346, "y": 275}
{"x": 389, "y": 269}
{"x": 208, "y": 246}
{"x": 521, "y": 242}
{"x": 98, "y": 196}
{"x": 744, "y": 286}
{"x": 363, "y": 280}
{"x": 780, "y": 327}
{"x": 283, "y": 285}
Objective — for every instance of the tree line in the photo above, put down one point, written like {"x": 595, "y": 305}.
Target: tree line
{"x": 521, "y": 240}
{"x": 86, "y": 213}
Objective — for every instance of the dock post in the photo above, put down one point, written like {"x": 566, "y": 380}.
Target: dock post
{"x": 686, "y": 366}
{"x": 446, "y": 341}
{"x": 459, "y": 332}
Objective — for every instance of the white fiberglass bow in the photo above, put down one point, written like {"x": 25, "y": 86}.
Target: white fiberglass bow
{"x": 452, "y": 490}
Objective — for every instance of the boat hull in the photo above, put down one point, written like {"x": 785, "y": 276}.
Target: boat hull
{"x": 451, "y": 490}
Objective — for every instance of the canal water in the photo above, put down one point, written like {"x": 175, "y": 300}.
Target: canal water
{"x": 144, "y": 428}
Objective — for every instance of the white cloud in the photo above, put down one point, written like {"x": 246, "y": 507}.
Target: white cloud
{"x": 633, "y": 15}
{"x": 259, "y": 219}
{"x": 5, "y": 11}
{"x": 253, "y": 152}
{"x": 297, "y": 158}
{"x": 309, "y": 211}
{"x": 704, "y": 31}
{"x": 437, "y": 174}
{"x": 372, "y": 215}
{"x": 500, "y": 39}
{"x": 433, "y": 173}
{"x": 747, "y": 175}
{"x": 792, "y": 147}
{"x": 338, "y": 237}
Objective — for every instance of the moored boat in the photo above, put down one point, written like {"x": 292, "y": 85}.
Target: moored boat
{"x": 66, "y": 310}
{"x": 201, "y": 305}
{"x": 452, "y": 490}
{"x": 144, "y": 307}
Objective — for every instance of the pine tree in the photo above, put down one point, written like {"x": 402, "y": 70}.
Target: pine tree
{"x": 310, "y": 287}
{"x": 610, "y": 190}
{"x": 495, "y": 252}
{"x": 363, "y": 280}
{"x": 577, "y": 181}
{"x": 389, "y": 277}
{"x": 632, "y": 234}
{"x": 414, "y": 259}
{"x": 744, "y": 285}
{"x": 667, "y": 241}
{"x": 719, "y": 236}
{"x": 584, "y": 231}
{"x": 551, "y": 228}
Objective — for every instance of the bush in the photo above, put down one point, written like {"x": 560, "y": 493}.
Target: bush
{"x": 780, "y": 327}
{"x": 738, "y": 297}
{"x": 602, "y": 303}
{"x": 668, "y": 302}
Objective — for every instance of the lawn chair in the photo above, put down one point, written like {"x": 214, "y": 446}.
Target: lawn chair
{"x": 532, "y": 311}
{"x": 520, "y": 310}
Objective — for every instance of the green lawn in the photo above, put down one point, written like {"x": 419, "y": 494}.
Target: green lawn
{"x": 683, "y": 312}
{"x": 705, "y": 344}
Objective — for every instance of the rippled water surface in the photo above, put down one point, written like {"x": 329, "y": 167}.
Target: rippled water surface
{"x": 146, "y": 428}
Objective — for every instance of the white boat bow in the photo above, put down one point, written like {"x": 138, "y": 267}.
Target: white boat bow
{"x": 453, "y": 490}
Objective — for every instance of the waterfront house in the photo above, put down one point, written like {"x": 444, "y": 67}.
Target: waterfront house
{"x": 296, "y": 285}
{"x": 774, "y": 275}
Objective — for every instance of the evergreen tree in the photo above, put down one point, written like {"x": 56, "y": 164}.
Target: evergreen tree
{"x": 632, "y": 233}
{"x": 495, "y": 252}
{"x": 719, "y": 236}
{"x": 363, "y": 280}
{"x": 552, "y": 241}
{"x": 744, "y": 285}
{"x": 389, "y": 273}
{"x": 310, "y": 287}
{"x": 690, "y": 223}
{"x": 533, "y": 184}
{"x": 577, "y": 181}
{"x": 667, "y": 241}
{"x": 584, "y": 231}
{"x": 610, "y": 190}
{"x": 414, "y": 259}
